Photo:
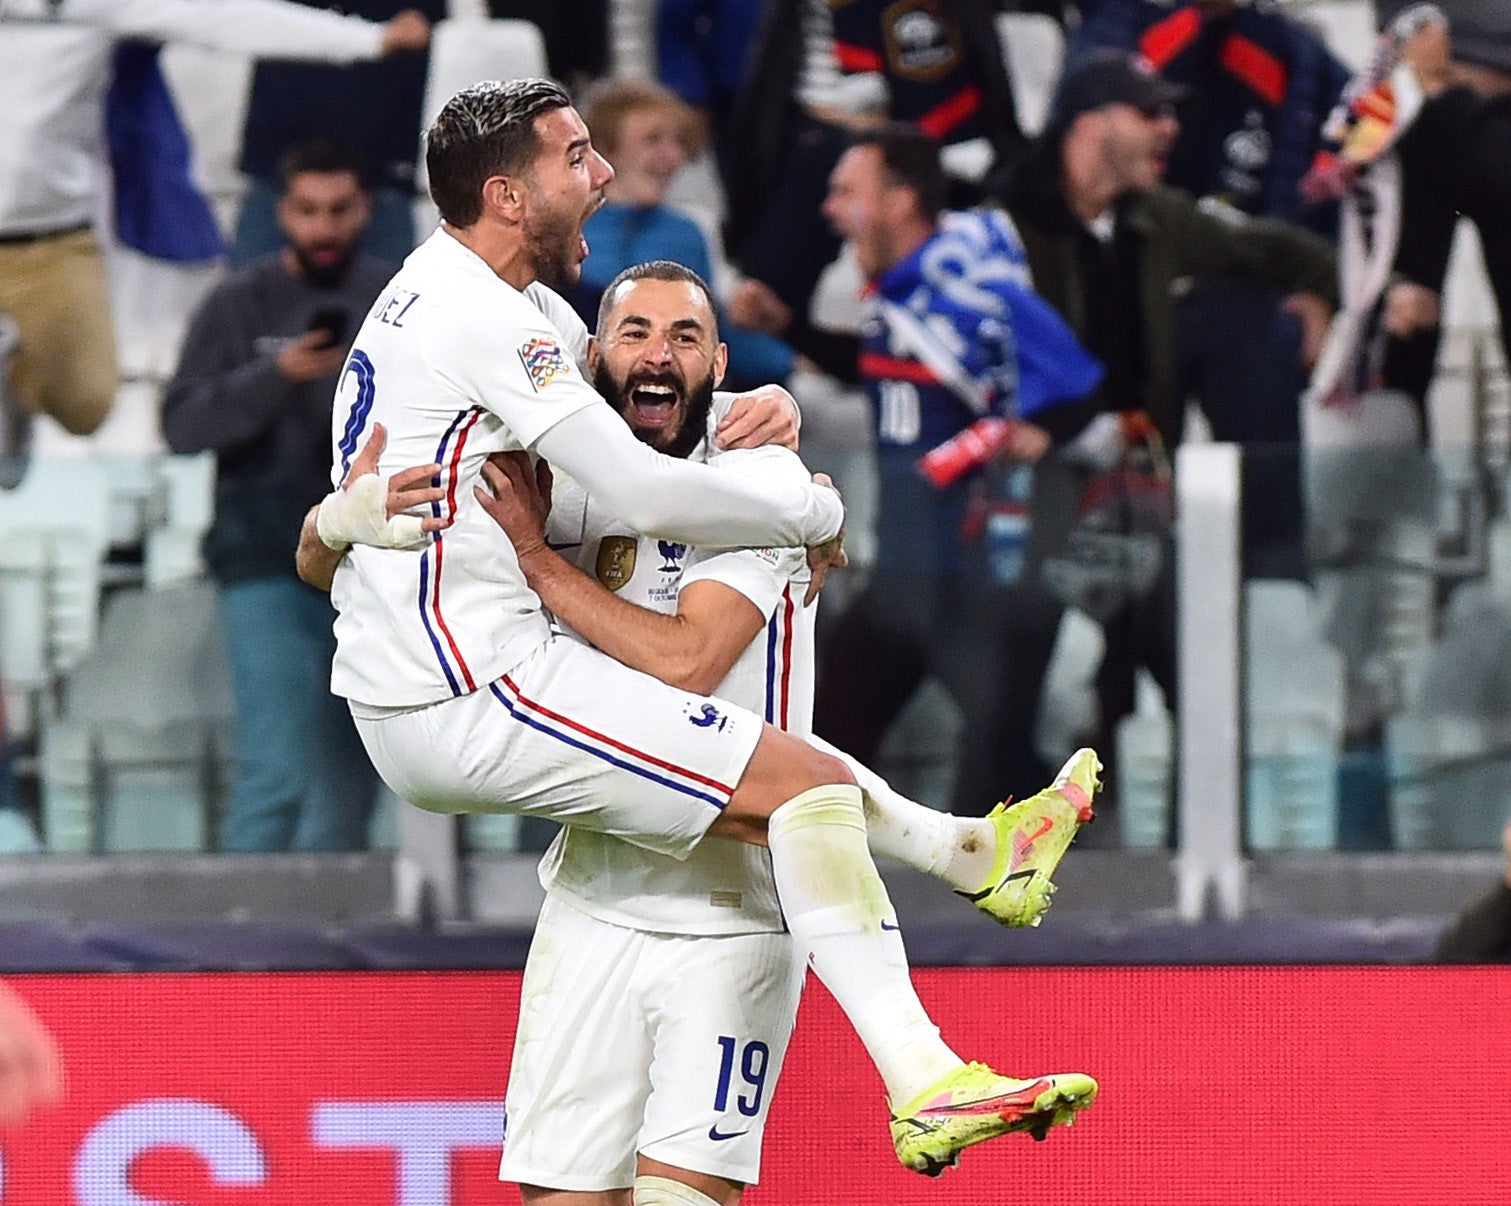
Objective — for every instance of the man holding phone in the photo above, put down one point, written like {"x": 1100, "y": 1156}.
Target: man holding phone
{"x": 254, "y": 384}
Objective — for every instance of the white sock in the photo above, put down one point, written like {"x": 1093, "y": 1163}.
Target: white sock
{"x": 838, "y": 910}
{"x": 958, "y": 850}
{"x": 660, "y": 1191}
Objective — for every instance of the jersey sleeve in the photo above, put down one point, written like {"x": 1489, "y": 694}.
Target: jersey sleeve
{"x": 565, "y": 319}
{"x": 515, "y": 364}
{"x": 758, "y": 574}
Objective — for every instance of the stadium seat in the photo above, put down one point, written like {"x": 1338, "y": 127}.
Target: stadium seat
{"x": 139, "y": 760}
{"x": 54, "y": 529}
{"x": 1294, "y": 709}
{"x": 185, "y": 494}
{"x": 1034, "y": 47}
{"x": 1348, "y": 27}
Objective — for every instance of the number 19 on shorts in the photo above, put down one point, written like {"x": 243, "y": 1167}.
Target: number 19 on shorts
{"x": 751, "y": 1062}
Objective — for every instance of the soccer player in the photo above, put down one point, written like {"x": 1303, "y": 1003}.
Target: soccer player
{"x": 465, "y": 697}
{"x": 614, "y": 1055}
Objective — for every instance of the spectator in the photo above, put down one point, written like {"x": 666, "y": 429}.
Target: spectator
{"x": 1482, "y": 932}
{"x": 1456, "y": 161}
{"x": 1258, "y": 88}
{"x": 255, "y": 380}
{"x": 1107, "y": 243}
{"x": 54, "y": 67}
{"x": 645, "y": 132}
{"x": 820, "y": 71}
{"x": 374, "y": 108}
{"x": 953, "y": 334}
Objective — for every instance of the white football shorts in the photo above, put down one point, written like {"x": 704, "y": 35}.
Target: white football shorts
{"x": 573, "y": 736}
{"x": 631, "y": 1042}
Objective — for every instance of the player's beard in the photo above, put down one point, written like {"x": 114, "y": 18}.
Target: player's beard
{"x": 678, "y": 441}
{"x": 552, "y": 242}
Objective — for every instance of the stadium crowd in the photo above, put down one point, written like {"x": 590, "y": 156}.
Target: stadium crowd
{"x": 1041, "y": 296}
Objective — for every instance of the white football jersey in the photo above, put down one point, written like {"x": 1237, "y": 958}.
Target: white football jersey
{"x": 457, "y": 365}
{"x": 724, "y": 886}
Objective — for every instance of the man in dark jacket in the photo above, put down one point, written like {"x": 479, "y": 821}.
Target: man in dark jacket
{"x": 1259, "y": 86}
{"x": 254, "y": 383}
{"x": 1108, "y": 246}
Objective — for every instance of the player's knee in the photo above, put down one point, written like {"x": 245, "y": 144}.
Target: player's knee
{"x": 662, "y": 1191}
{"x": 807, "y": 767}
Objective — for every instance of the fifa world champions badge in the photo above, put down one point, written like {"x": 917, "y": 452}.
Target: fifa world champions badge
{"x": 544, "y": 362}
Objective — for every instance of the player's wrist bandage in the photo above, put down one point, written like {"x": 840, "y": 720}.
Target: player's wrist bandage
{"x": 359, "y": 515}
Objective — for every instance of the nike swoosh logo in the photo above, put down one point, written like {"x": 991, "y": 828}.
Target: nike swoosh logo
{"x": 716, "y": 1134}
{"x": 1023, "y": 845}
{"x": 886, "y": 926}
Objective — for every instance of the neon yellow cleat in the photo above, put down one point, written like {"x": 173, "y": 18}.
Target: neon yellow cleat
{"x": 973, "y": 1104}
{"x": 1032, "y": 837}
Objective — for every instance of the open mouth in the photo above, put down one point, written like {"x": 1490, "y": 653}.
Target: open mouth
{"x": 653, "y": 405}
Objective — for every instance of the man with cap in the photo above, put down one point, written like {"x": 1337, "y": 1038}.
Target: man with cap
{"x": 1108, "y": 245}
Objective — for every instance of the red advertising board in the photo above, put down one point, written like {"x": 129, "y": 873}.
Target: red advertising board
{"x": 1366, "y": 1086}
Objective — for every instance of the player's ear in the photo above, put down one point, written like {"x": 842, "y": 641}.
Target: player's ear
{"x": 594, "y": 355}
{"x": 721, "y": 362}
{"x": 503, "y": 196}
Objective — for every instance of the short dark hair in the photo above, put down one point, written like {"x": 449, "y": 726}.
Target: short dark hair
{"x": 655, "y": 270}
{"x": 485, "y": 130}
{"x": 326, "y": 156}
{"x": 911, "y": 158}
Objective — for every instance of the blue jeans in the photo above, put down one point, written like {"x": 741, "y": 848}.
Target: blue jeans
{"x": 303, "y": 780}
{"x": 389, "y": 235}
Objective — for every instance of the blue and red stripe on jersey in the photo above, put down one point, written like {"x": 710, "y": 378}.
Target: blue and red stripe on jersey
{"x": 449, "y": 456}
{"x": 609, "y": 749}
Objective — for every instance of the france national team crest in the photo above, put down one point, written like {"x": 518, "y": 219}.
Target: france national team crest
{"x": 706, "y": 716}
{"x": 544, "y": 361}
{"x": 616, "y": 561}
{"x": 671, "y": 555}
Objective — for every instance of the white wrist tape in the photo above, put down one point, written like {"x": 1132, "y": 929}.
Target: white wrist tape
{"x": 359, "y": 515}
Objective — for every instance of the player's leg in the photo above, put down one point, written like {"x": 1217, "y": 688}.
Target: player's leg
{"x": 578, "y": 1078}
{"x": 576, "y": 737}
{"x": 1002, "y": 862}
{"x": 837, "y": 907}
{"x": 664, "y": 1185}
{"x": 535, "y": 1195}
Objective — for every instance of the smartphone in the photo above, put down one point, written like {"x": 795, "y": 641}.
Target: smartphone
{"x": 333, "y": 320}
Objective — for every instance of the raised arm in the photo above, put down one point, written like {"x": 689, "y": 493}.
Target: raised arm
{"x": 256, "y": 28}
{"x": 659, "y": 496}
